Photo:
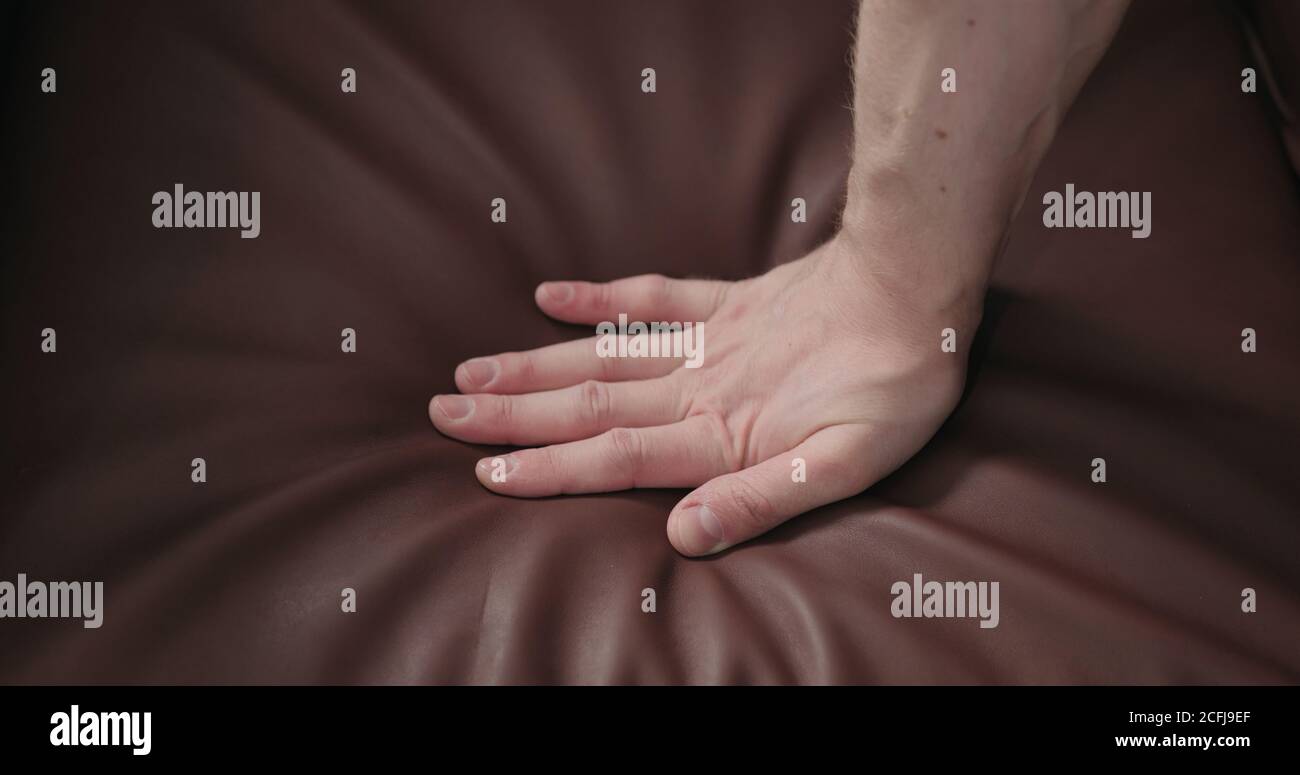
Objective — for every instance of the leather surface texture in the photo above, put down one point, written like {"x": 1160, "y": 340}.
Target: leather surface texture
{"x": 324, "y": 473}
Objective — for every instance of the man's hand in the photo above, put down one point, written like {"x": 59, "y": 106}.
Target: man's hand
{"x": 834, "y": 359}
{"x": 816, "y": 360}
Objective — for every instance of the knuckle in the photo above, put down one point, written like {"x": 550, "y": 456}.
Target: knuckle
{"x": 602, "y": 296}
{"x": 594, "y": 402}
{"x": 750, "y": 507}
{"x": 503, "y": 410}
{"x": 548, "y": 461}
{"x": 661, "y": 289}
{"x": 551, "y": 464}
{"x": 608, "y": 368}
{"x": 522, "y": 367}
{"x": 731, "y": 433}
{"x": 719, "y": 294}
{"x": 627, "y": 450}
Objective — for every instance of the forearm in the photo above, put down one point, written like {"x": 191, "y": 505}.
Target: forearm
{"x": 938, "y": 175}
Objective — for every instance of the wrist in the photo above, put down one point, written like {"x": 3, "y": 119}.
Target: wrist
{"x": 933, "y": 273}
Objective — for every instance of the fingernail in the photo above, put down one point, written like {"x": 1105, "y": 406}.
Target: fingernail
{"x": 480, "y": 371}
{"x": 701, "y": 531}
{"x": 454, "y": 407}
{"x": 498, "y": 471}
{"x": 560, "y": 293}
{"x": 709, "y": 521}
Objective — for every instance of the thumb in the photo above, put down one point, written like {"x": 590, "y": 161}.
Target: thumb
{"x": 828, "y": 466}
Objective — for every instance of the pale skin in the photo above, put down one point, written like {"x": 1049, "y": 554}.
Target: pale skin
{"x": 834, "y": 359}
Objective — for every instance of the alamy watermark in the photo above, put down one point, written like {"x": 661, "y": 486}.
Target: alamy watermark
{"x": 209, "y": 209}
{"x": 1102, "y": 210}
{"x": 53, "y": 600}
{"x": 651, "y": 340}
{"x": 91, "y": 728}
{"x": 946, "y": 600}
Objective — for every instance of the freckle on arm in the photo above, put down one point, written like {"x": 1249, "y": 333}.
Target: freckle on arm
{"x": 942, "y": 135}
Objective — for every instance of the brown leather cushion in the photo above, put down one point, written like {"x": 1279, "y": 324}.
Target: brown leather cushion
{"x": 1273, "y": 33}
{"x": 324, "y": 473}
